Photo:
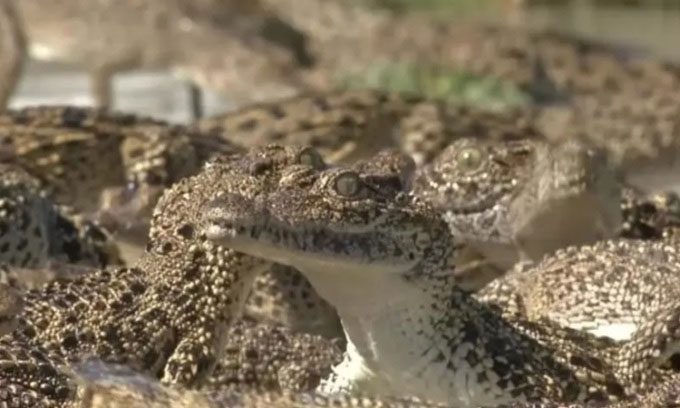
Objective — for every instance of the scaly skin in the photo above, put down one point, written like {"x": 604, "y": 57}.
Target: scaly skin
{"x": 283, "y": 295}
{"x": 343, "y": 126}
{"x": 194, "y": 39}
{"x": 623, "y": 289}
{"x": 37, "y": 234}
{"x": 272, "y": 357}
{"x": 521, "y": 199}
{"x": 648, "y": 217}
{"x": 608, "y": 288}
{"x": 664, "y": 395}
{"x": 356, "y": 242}
{"x": 637, "y": 130}
{"x": 349, "y": 125}
{"x": 167, "y": 315}
{"x": 106, "y": 386}
{"x": 87, "y": 159}
{"x": 83, "y": 155}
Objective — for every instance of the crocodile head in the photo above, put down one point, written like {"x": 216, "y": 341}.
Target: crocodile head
{"x": 346, "y": 228}
{"x": 501, "y": 196}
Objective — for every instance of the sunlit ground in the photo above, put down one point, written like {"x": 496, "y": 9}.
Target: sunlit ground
{"x": 657, "y": 28}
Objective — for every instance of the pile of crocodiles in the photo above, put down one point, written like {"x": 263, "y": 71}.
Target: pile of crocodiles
{"x": 345, "y": 249}
{"x": 348, "y": 248}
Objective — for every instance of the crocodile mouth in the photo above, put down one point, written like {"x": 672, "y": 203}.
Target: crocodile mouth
{"x": 294, "y": 244}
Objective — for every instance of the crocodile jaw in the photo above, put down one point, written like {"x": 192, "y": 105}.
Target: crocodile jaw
{"x": 347, "y": 282}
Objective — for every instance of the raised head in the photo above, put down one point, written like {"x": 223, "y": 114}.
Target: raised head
{"x": 154, "y": 156}
{"x": 248, "y": 175}
{"x": 349, "y": 233}
{"x": 501, "y": 196}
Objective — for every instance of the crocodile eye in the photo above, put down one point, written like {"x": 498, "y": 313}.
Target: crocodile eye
{"x": 348, "y": 184}
{"x": 469, "y": 158}
{"x": 310, "y": 157}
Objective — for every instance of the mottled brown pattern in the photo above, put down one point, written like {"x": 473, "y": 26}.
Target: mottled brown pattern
{"x": 379, "y": 257}
{"x": 167, "y": 315}
{"x": 523, "y": 198}
{"x": 114, "y": 165}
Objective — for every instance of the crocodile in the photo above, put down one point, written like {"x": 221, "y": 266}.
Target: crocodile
{"x": 637, "y": 130}
{"x": 166, "y": 315}
{"x": 203, "y": 42}
{"x": 608, "y": 288}
{"x": 519, "y": 199}
{"x": 380, "y": 257}
{"x": 272, "y": 357}
{"x": 111, "y": 167}
{"x": 283, "y": 295}
{"x": 108, "y": 166}
{"x": 350, "y": 125}
{"x": 36, "y": 234}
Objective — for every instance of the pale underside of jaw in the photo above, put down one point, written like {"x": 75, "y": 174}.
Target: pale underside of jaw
{"x": 312, "y": 258}
{"x": 342, "y": 279}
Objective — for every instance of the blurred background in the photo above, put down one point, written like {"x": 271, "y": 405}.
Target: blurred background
{"x": 649, "y": 25}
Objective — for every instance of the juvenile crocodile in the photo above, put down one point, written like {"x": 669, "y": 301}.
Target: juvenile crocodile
{"x": 112, "y": 165}
{"x": 637, "y": 130}
{"x": 349, "y": 125}
{"x": 35, "y": 233}
{"x": 380, "y": 258}
{"x": 283, "y": 295}
{"x": 166, "y": 315}
{"x": 115, "y": 166}
{"x": 520, "y": 199}
{"x": 609, "y": 288}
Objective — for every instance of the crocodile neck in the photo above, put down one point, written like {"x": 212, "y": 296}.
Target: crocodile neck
{"x": 412, "y": 334}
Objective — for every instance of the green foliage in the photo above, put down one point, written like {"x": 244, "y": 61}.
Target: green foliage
{"x": 454, "y": 86}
